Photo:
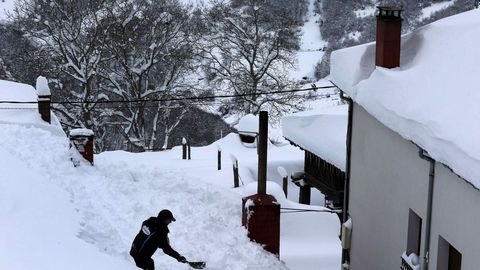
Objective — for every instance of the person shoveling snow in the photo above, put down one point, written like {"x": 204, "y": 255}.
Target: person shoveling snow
{"x": 153, "y": 235}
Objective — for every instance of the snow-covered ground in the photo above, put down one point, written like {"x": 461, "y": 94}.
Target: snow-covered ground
{"x": 430, "y": 10}
{"x": 310, "y": 47}
{"x": 6, "y": 6}
{"x": 57, "y": 216}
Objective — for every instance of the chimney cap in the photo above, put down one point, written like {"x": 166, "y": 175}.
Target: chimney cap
{"x": 390, "y": 12}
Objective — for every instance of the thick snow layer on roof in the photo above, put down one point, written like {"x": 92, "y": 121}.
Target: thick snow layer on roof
{"x": 23, "y": 114}
{"x": 432, "y": 99}
{"x": 81, "y": 132}
{"x": 322, "y": 132}
{"x": 248, "y": 123}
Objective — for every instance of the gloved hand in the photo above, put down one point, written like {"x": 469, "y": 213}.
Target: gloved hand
{"x": 182, "y": 259}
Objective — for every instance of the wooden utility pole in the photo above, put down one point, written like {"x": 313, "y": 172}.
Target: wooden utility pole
{"x": 285, "y": 186}
{"x": 236, "y": 180}
{"x": 262, "y": 153}
{"x": 184, "y": 148}
{"x": 219, "y": 158}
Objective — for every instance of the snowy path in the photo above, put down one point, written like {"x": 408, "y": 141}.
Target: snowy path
{"x": 311, "y": 45}
{"x": 123, "y": 189}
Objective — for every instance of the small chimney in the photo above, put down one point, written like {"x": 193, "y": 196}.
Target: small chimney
{"x": 44, "y": 98}
{"x": 389, "y": 31}
{"x": 83, "y": 141}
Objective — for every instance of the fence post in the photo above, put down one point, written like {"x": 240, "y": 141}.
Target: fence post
{"x": 189, "y": 151}
{"x": 219, "y": 158}
{"x": 184, "y": 148}
{"x": 283, "y": 173}
{"x": 236, "y": 182}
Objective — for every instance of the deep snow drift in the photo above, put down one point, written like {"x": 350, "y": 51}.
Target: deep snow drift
{"x": 86, "y": 217}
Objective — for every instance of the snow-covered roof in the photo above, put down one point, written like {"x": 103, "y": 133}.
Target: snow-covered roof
{"x": 24, "y": 114}
{"x": 248, "y": 123}
{"x": 322, "y": 132}
{"x": 81, "y": 132}
{"x": 432, "y": 99}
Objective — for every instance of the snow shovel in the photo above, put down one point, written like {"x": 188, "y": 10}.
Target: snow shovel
{"x": 197, "y": 265}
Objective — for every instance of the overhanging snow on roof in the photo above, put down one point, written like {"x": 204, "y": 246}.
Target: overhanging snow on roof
{"x": 432, "y": 99}
{"x": 322, "y": 132}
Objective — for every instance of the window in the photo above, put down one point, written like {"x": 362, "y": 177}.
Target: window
{"x": 414, "y": 233}
{"x": 449, "y": 258}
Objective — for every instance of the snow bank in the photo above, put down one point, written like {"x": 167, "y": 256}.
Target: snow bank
{"x": 39, "y": 223}
{"x": 322, "y": 132}
{"x": 432, "y": 99}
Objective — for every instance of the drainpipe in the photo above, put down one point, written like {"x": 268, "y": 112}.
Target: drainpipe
{"x": 424, "y": 155}
{"x": 346, "y": 193}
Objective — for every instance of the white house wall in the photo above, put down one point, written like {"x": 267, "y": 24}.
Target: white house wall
{"x": 455, "y": 217}
{"x": 387, "y": 179}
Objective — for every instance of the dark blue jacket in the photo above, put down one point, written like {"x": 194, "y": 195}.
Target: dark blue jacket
{"x": 152, "y": 235}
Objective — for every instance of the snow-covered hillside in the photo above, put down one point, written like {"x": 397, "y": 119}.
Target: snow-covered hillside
{"x": 6, "y": 6}
{"x": 311, "y": 45}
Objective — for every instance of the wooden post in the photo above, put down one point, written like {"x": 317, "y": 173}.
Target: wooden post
{"x": 285, "y": 186}
{"x": 304, "y": 196}
{"x": 236, "y": 180}
{"x": 262, "y": 153}
{"x": 219, "y": 158}
{"x": 184, "y": 148}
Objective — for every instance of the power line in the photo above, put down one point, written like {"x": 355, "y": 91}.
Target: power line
{"x": 212, "y": 97}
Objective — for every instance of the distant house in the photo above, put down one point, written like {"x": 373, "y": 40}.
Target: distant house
{"x": 321, "y": 134}
{"x": 414, "y": 151}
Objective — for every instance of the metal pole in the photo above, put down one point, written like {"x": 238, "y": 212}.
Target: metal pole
{"x": 262, "y": 152}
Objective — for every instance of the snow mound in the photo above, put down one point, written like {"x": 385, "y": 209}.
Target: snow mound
{"x": 432, "y": 99}
{"x": 105, "y": 205}
{"x": 322, "y": 132}
{"x": 39, "y": 223}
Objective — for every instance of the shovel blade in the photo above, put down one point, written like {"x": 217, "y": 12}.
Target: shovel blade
{"x": 197, "y": 265}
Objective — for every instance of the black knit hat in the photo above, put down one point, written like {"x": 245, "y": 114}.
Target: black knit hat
{"x": 166, "y": 214}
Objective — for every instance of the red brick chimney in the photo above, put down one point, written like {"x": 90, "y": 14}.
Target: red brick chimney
{"x": 389, "y": 31}
{"x": 43, "y": 92}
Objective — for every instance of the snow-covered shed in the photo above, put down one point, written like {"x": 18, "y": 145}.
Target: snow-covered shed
{"x": 247, "y": 129}
{"x": 321, "y": 133}
{"x": 415, "y": 156}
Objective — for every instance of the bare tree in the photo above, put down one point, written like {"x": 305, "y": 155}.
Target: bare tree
{"x": 248, "y": 51}
{"x": 75, "y": 32}
{"x": 151, "y": 48}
